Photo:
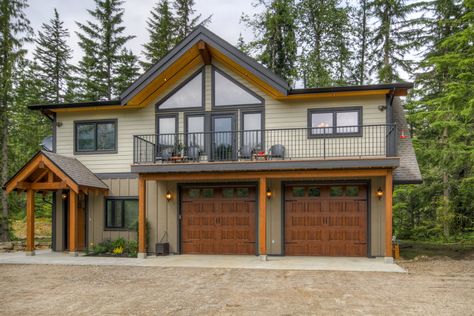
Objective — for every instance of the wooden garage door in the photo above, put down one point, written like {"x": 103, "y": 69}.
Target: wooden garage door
{"x": 218, "y": 220}
{"x": 326, "y": 220}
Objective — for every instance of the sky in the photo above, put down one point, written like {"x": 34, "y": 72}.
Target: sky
{"x": 225, "y": 19}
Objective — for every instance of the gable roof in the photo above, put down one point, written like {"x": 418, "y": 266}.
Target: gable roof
{"x": 70, "y": 170}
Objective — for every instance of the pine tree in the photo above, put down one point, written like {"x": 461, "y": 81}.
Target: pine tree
{"x": 14, "y": 31}
{"x": 52, "y": 55}
{"x": 393, "y": 37}
{"x": 322, "y": 25}
{"x": 275, "y": 30}
{"x": 185, "y": 19}
{"x": 102, "y": 42}
{"x": 360, "y": 42}
{"x": 127, "y": 71}
{"x": 160, "y": 28}
{"x": 241, "y": 45}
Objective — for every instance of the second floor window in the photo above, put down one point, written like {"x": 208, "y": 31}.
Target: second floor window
{"x": 335, "y": 122}
{"x": 96, "y": 136}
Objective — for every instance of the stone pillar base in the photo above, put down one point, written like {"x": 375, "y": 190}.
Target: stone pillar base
{"x": 141, "y": 255}
{"x": 388, "y": 260}
{"x": 30, "y": 253}
{"x": 73, "y": 253}
{"x": 263, "y": 257}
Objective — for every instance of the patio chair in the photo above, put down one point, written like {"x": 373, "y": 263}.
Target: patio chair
{"x": 246, "y": 152}
{"x": 277, "y": 151}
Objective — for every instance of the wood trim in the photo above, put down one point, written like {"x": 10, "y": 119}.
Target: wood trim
{"x": 23, "y": 174}
{"x": 262, "y": 216}
{"x": 141, "y": 214}
{"x": 205, "y": 54}
{"x": 58, "y": 172}
{"x": 73, "y": 221}
{"x": 312, "y": 96}
{"x": 269, "y": 175}
{"x": 388, "y": 213}
{"x": 41, "y": 175}
{"x": 39, "y": 186}
{"x": 30, "y": 220}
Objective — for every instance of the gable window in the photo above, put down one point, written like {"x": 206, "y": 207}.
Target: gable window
{"x": 229, "y": 92}
{"x": 121, "y": 213}
{"x": 188, "y": 95}
{"x": 335, "y": 122}
{"x": 96, "y": 136}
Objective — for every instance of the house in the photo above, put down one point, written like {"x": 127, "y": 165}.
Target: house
{"x": 216, "y": 154}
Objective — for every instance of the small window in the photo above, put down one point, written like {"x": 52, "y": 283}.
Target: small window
{"x": 228, "y": 192}
{"x": 314, "y": 192}
{"x": 194, "y": 193}
{"x": 336, "y": 191}
{"x": 121, "y": 213}
{"x": 243, "y": 192}
{"x": 298, "y": 191}
{"x": 228, "y": 92}
{"x": 334, "y": 122}
{"x": 188, "y": 95}
{"x": 96, "y": 136}
{"x": 208, "y": 193}
{"x": 352, "y": 191}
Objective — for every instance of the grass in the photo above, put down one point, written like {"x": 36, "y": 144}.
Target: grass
{"x": 410, "y": 249}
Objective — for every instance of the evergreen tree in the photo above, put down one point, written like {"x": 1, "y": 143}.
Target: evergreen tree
{"x": 102, "y": 42}
{"x": 160, "y": 28}
{"x": 241, "y": 45}
{"x": 52, "y": 55}
{"x": 360, "y": 42}
{"x": 393, "y": 37}
{"x": 127, "y": 71}
{"x": 275, "y": 29}
{"x": 14, "y": 31}
{"x": 185, "y": 19}
{"x": 322, "y": 25}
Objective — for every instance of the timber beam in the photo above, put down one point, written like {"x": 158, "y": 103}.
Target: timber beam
{"x": 205, "y": 53}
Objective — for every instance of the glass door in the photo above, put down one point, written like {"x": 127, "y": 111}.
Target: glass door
{"x": 223, "y": 138}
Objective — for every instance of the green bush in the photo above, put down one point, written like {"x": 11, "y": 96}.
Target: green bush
{"x": 119, "y": 242}
{"x": 132, "y": 248}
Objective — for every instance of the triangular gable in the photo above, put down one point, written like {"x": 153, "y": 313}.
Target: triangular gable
{"x": 188, "y": 54}
{"x": 50, "y": 172}
{"x": 227, "y": 91}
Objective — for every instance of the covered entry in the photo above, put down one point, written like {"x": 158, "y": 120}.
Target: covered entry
{"x": 326, "y": 219}
{"x": 49, "y": 172}
{"x": 219, "y": 219}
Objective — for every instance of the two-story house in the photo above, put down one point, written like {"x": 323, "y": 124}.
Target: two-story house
{"x": 215, "y": 154}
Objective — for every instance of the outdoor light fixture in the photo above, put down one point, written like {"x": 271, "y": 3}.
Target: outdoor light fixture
{"x": 269, "y": 193}
{"x": 64, "y": 196}
{"x": 168, "y": 196}
{"x": 380, "y": 193}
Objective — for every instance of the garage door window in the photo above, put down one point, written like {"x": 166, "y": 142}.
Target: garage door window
{"x": 208, "y": 193}
{"x": 336, "y": 191}
{"x": 228, "y": 193}
{"x": 352, "y": 191}
{"x": 194, "y": 193}
{"x": 243, "y": 192}
{"x": 314, "y": 192}
{"x": 298, "y": 191}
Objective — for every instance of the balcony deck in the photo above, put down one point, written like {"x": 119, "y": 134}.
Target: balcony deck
{"x": 365, "y": 146}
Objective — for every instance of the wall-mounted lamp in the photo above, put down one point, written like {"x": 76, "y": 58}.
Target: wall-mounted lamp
{"x": 379, "y": 193}
{"x": 382, "y": 108}
{"x": 168, "y": 196}
{"x": 269, "y": 193}
{"x": 64, "y": 196}
{"x": 59, "y": 124}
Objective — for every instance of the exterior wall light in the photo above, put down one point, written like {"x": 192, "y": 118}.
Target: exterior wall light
{"x": 168, "y": 196}
{"x": 269, "y": 193}
{"x": 379, "y": 193}
{"x": 64, "y": 196}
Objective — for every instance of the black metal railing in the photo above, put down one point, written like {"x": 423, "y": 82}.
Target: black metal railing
{"x": 362, "y": 141}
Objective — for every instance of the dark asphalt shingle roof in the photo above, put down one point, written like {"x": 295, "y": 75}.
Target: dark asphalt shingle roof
{"x": 408, "y": 171}
{"x": 78, "y": 173}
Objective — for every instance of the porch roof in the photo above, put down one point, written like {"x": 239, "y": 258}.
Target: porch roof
{"x": 48, "y": 171}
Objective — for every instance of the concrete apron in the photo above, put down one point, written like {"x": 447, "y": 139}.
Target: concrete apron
{"x": 209, "y": 261}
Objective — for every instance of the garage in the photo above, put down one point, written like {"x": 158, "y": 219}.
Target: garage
{"x": 218, "y": 219}
{"x": 326, "y": 220}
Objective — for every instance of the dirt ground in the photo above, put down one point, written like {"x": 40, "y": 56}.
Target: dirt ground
{"x": 431, "y": 286}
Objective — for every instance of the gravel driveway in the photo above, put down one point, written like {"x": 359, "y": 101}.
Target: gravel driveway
{"x": 437, "y": 287}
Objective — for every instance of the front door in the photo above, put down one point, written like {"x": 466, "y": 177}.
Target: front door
{"x": 223, "y": 144}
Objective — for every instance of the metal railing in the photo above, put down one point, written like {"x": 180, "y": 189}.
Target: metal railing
{"x": 362, "y": 141}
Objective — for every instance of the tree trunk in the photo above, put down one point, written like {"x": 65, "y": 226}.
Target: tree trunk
{"x": 445, "y": 207}
{"x": 4, "y": 176}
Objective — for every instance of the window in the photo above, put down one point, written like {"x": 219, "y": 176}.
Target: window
{"x": 314, "y": 192}
{"x": 99, "y": 136}
{"x": 228, "y": 92}
{"x": 188, "y": 95}
{"x": 334, "y": 122}
{"x": 167, "y": 130}
{"x": 195, "y": 129}
{"x": 121, "y": 213}
{"x": 252, "y": 126}
{"x": 336, "y": 191}
{"x": 298, "y": 191}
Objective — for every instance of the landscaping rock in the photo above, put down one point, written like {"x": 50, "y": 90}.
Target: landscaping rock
{"x": 6, "y": 246}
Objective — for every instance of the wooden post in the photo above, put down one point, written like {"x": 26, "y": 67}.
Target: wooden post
{"x": 262, "y": 218}
{"x": 141, "y": 216}
{"x": 30, "y": 222}
{"x": 72, "y": 223}
{"x": 388, "y": 214}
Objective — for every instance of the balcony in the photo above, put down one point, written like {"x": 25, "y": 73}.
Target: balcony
{"x": 180, "y": 150}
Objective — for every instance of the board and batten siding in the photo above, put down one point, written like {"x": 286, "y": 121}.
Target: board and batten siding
{"x": 278, "y": 115}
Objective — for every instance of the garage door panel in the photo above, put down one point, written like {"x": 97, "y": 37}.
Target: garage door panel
{"x": 226, "y": 221}
{"x": 333, "y": 223}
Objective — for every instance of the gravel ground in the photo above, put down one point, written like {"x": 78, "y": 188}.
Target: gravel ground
{"x": 433, "y": 287}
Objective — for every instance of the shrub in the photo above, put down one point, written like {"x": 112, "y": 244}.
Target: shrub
{"x": 132, "y": 248}
{"x": 119, "y": 242}
{"x": 118, "y": 250}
